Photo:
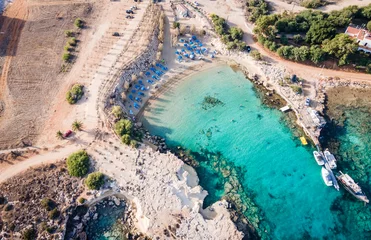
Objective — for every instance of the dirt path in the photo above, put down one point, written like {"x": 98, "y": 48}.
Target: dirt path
{"x": 12, "y": 23}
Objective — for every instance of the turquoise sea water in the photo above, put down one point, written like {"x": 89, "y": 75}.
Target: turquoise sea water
{"x": 272, "y": 169}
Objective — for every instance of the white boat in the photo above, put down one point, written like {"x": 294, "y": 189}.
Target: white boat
{"x": 330, "y": 159}
{"x": 318, "y": 157}
{"x": 352, "y": 187}
{"x": 326, "y": 177}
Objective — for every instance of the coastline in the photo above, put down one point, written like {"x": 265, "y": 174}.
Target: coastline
{"x": 269, "y": 98}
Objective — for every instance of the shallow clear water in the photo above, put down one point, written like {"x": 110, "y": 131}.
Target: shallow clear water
{"x": 108, "y": 225}
{"x": 274, "y": 170}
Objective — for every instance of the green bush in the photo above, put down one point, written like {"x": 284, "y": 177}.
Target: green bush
{"x": 78, "y": 164}
{"x": 29, "y": 234}
{"x": 256, "y": 55}
{"x": 125, "y": 139}
{"x": 68, "y": 33}
{"x": 67, "y": 48}
{"x": 81, "y": 200}
{"x": 75, "y": 94}
{"x": 297, "y": 89}
{"x": 66, "y": 56}
{"x": 79, "y": 23}
{"x": 133, "y": 143}
{"x": 117, "y": 111}
{"x": 48, "y": 204}
{"x": 73, "y": 41}
{"x": 313, "y": 3}
{"x": 53, "y": 214}
{"x": 124, "y": 126}
{"x": 176, "y": 25}
{"x": 95, "y": 180}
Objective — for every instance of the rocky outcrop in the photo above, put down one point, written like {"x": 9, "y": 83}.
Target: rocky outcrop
{"x": 36, "y": 200}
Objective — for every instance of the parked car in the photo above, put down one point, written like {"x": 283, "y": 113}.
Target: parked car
{"x": 129, "y": 11}
{"x": 307, "y": 102}
{"x": 115, "y": 34}
{"x": 129, "y": 17}
{"x": 67, "y": 134}
{"x": 133, "y": 8}
{"x": 248, "y": 48}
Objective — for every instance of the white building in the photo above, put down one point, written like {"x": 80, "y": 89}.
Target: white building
{"x": 362, "y": 36}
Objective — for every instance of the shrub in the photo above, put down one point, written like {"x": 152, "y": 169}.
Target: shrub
{"x": 77, "y": 126}
{"x": 48, "y": 204}
{"x": 133, "y": 143}
{"x": 297, "y": 89}
{"x": 73, "y": 41}
{"x": 53, "y": 214}
{"x": 202, "y": 32}
{"x": 79, "y": 23}
{"x": 297, "y": 38}
{"x": 95, "y": 180}
{"x": 29, "y": 234}
{"x": 176, "y": 25}
{"x": 78, "y": 164}
{"x": 124, "y": 126}
{"x": 125, "y": 139}
{"x": 313, "y": 3}
{"x": 67, "y": 48}
{"x": 256, "y": 55}
{"x": 51, "y": 229}
{"x": 66, "y": 56}
{"x": 68, "y": 33}
{"x": 117, "y": 111}
{"x": 81, "y": 200}
{"x": 75, "y": 94}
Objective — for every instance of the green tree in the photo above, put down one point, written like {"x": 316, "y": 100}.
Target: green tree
{"x": 75, "y": 94}
{"x": 133, "y": 143}
{"x": 316, "y": 54}
{"x": 342, "y": 46}
{"x": 78, "y": 163}
{"x": 95, "y": 180}
{"x": 78, "y": 23}
{"x": 284, "y": 39}
{"x": 236, "y": 33}
{"x": 320, "y": 31}
{"x": 369, "y": 25}
{"x": 117, "y": 111}
{"x": 124, "y": 126}
{"x": 48, "y": 204}
{"x": 59, "y": 135}
{"x": 66, "y": 56}
{"x": 297, "y": 38}
{"x": 125, "y": 139}
{"x": 256, "y": 55}
{"x": 77, "y": 125}
{"x": 68, "y": 33}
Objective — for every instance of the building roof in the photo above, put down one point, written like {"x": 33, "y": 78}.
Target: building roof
{"x": 352, "y": 30}
{"x": 359, "y": 33}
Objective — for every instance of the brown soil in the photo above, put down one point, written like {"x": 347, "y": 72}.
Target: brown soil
{"x": 33, "y": 46}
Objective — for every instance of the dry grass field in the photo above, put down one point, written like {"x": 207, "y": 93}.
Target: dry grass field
{"x": 31, "y": 60}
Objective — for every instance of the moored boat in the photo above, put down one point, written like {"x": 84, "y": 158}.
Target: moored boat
{"x": 352, "y": 187}
{"x": 318, "y": 157}
{"x": 326, "y": 177}
{"x": 330, "y": 159}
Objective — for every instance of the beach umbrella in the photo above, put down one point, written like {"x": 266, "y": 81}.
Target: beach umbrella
{"x": 140, "y": 82}
{"x": 189, "y": 49}
{"x": 176, "y": 52}
{"x": 200, "y": 45}
{"x": 185, "y": 44}
{"x": 140, "y": 93}
{"x": 131, "y": 112}
{"x": 183, "y": 50}
{"x": 133, "y": 91}
{"x": 186, "y": 55}
{"x": 138, "y": 99}
{"x": 158, "y": 65}
{"x": 181, "y": 40}
{"x": 164, "y": 68}
{"x": 131, "y": 97}
{"x": 137, "y": 87}
{"x": 192, "y": 56}
{"x": 148, "y": 73}
{"x": 136, "y": 105}
{"x": 194, "y": 47}
{"x": 194, "y": 37}
{"x": 143, "y": 89}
